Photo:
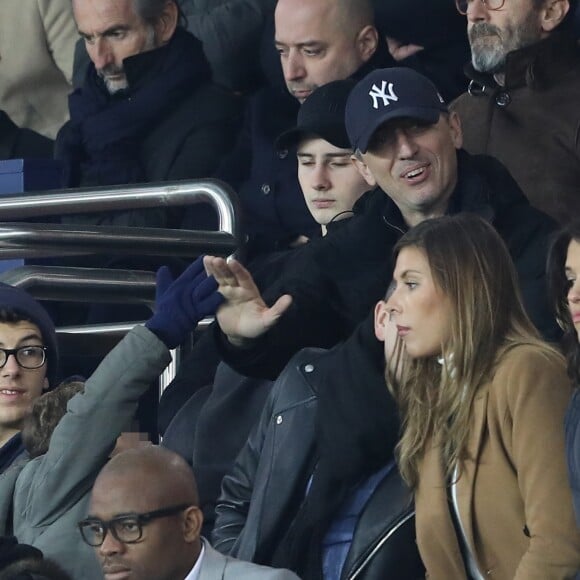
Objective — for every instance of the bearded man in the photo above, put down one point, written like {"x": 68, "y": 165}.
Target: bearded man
{"x": 522, "y": 102}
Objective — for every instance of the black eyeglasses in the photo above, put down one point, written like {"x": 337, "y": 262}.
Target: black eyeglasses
{"x": 463, "y": 5}
{"x": 127, "y": 528}
{"x": 28, "y": 357}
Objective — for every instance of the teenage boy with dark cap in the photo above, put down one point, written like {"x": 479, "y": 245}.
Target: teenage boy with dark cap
{"x": 409, "y": 146}
{"x": 28, "y": 364}
{"x": 331, "y": 185}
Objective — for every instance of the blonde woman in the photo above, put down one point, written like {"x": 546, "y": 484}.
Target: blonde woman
{"x": 482, "y": 403}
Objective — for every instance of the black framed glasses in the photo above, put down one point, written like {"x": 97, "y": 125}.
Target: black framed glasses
{"x": 126, "y": 528}
{"x": 28, "y": 357}
{"x": 463, "y": 5}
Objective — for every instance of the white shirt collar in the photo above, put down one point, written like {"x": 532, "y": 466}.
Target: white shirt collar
{"x": 194, "y": 574}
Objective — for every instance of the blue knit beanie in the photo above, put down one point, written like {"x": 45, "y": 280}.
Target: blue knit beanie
{"x": 22, "y": 303}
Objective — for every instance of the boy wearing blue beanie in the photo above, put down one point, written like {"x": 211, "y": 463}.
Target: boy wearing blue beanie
{"x": 28, "y": 364}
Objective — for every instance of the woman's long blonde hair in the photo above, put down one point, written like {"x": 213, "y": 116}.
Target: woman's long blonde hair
{"x": 471, "y": 265}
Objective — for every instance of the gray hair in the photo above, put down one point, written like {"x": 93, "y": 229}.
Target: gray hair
{"x": 151, "y": 10}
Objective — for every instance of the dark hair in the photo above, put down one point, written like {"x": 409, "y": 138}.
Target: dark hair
{"x": 45, "y": 415}
{"x": 558, "y": 287}
{"x": 11, "y": 316}
{"x": 34, "y": 569}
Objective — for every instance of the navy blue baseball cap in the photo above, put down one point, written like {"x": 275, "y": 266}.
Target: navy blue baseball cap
{"x": 389, "y": 93}
{"x": 321, "y": 114}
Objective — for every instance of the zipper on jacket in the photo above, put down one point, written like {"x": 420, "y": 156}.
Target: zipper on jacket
{"x": 379, "y": 545}
{"x": 388, "y": 223}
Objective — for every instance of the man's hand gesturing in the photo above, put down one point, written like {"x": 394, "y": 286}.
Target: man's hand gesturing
{"x": 244, "y": 315}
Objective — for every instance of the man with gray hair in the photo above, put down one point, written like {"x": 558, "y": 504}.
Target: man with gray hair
{"x": 522, "y": 102}
{"x": 147, "y": 110}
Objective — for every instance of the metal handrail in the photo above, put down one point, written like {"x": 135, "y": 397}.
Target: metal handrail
{"x": 21, "y": 239}
{"x": 102, "y": 199}
{"x": 24, "y": 240}
{"x": 84, "y": 284}
{"x": 120, "y": 329}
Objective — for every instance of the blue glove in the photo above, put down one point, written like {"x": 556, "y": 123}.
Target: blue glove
{"x": 182, "y": 303}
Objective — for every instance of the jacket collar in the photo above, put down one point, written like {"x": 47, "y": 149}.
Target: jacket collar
{"x": 535, "y": 66}
{"x": 145, "y": 67}
{"x": 443, "y": 550}
{"x": 213, "y": 564}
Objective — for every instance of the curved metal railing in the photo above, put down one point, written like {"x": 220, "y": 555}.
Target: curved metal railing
{"x": 26, "y": 240}
{"x": 84, "y": 284}
{"x": 19, "y": 240}
{"x": 102, "y": 199}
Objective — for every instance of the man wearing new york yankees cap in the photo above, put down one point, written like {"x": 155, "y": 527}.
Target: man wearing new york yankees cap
{"x": 408, "y": 147}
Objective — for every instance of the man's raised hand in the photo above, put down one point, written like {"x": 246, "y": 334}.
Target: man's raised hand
{"x": 244, "y": 315}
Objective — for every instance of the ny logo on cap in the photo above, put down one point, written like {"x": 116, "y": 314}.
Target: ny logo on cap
{"x": 381, "y": 93}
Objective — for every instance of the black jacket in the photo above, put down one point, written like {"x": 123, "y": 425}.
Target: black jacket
{"x": 166, "y": 135}
{"x": 259, "y": 495}
{"x": 196, "y": 405}
{"x": 339, "y": 281}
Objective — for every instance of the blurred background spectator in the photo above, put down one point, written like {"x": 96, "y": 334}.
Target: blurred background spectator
{"x": 37, "y": 39}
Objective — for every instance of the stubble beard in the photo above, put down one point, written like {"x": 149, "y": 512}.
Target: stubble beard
{"x": 115, "y": 85}
{"x": 490, "y": 45}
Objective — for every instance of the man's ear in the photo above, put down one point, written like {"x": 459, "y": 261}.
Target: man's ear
{"x": 192, "y": 522}
{"x": 456, "y": 130}
{"x": 167, "y": 23}
{"x": 367, "y": 41}
{"x": 381, "y": 319}
{"x": 45, "y": 384}
{"x": 363, "y": 170}
{"x": 553, "y": 13}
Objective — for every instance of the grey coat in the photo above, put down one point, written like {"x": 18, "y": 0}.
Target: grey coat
{"x": 216, "y": 566}
{"x": 50, "y": 494}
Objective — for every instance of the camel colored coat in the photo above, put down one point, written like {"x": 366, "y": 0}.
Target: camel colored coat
{"x": 514, "y": 497}
{"x": 37, "y": 39}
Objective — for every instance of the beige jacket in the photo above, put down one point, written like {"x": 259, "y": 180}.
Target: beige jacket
{"x": 514, "y": 497}
{"x": 37, "y": 39}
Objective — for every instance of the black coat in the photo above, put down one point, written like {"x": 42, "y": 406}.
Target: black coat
{"x": 263, "y": 492}
{"x": 266, "y": 180}
{"x": 183, "y": 138}
{"x": 196, "y": 406}
{"x": 338, "y": 283}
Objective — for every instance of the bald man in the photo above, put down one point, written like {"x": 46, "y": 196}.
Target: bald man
{"x": 318, "y": 41}
{"x": 144, "y": 523}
